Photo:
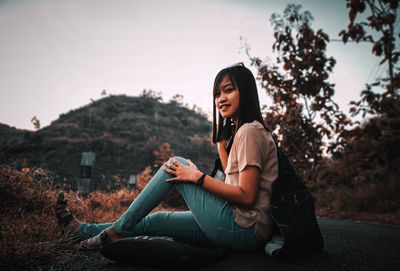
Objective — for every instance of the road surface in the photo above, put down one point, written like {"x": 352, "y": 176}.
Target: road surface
{"x": 349, "y": 245}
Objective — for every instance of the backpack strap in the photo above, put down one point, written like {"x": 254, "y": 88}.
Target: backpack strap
{"x": 217, "y": 163}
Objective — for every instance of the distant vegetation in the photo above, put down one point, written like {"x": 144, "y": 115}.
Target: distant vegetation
{"x": 123, "y": 131}
{"x": 358, "y": 175}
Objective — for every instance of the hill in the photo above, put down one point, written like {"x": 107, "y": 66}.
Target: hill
{"x": 122, "y": 131}
{"x": 9, "y": 134}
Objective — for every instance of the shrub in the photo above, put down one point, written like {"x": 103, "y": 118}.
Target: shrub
{"x": 29, "y": 235}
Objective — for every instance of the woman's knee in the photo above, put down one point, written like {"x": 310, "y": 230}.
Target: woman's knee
{"x": 154, "y": 223}
{"x": 180, "y": 160}
{"x": 157, "y": 218}
{"x": 145, "y": 226}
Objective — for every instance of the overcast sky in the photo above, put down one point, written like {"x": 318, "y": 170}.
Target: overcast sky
{"x": 56, "y": 55}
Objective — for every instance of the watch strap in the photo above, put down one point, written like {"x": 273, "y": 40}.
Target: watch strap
{"x": 200, "y": 181}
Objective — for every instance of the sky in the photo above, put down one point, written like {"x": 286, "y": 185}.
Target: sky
{"x": 57, "y": 55}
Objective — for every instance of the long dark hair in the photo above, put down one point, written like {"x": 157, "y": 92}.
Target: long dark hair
{"x": 249, "y": 105}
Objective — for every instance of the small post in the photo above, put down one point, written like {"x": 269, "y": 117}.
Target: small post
{"x": 87, "y": 163}
{"x": 132, "y": 182}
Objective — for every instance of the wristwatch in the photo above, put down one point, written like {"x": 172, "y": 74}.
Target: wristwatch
{"x": 200, "y": 181}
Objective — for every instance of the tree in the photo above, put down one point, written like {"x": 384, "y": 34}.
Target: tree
{"x": 372, "y": 149}
{"x": 36, "y": 122}
{"x": 381, "y": 98}
{"x": 303, "y": 114}
{"x": 177, "y": 98}
{"x": 368, "y": 166}
{"x": 151, "y": 94}
{"x": 382, "y": 20}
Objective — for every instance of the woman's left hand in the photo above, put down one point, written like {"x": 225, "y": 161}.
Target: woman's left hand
{"x": 182, "y": 173}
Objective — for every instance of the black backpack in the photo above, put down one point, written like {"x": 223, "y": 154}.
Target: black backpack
{"x": 293, "y": 213}
{"x": 295, "y": 227}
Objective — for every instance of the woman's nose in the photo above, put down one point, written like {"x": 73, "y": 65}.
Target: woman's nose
{"x": 221, "y": 98}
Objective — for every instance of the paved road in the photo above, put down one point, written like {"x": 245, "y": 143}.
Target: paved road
{"x": 348, "y": 246}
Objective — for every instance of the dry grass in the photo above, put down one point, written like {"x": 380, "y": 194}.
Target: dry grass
{"x": 29, "y": 234}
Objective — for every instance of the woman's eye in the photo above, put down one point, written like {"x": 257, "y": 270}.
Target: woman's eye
{"x": 228, "y": 90}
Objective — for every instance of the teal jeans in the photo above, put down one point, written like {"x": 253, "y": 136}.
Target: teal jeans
{"x": 210, "y": 219}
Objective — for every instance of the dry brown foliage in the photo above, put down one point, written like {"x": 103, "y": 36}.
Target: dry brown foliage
{"x": 163, "y": 154}
{"x": 363, "y": 181}
{"x": 29, "y": 234}
{"x": 366, "y": 202}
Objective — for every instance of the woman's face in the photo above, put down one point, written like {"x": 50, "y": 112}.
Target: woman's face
{"x": 227, "y": 100}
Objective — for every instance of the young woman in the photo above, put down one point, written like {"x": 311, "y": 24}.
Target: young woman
{"x": 234, "y": 213}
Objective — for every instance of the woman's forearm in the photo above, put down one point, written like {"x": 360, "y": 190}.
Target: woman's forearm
{"x": 244, "y": 194}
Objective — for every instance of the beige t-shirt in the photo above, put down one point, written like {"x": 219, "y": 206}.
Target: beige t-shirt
{"x": 254, "y": 146}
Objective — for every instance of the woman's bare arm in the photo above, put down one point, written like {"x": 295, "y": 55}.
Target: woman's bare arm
{"x": 244, "y": 194}
{"x": 223, "y": 154}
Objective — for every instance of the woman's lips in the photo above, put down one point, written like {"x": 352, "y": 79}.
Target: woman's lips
{"x": 224, "y": 107}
